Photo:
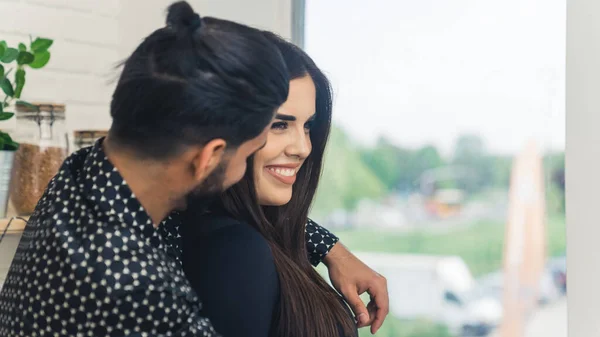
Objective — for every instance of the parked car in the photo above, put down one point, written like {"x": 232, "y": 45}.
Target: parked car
{"x": 435, "y": 288}
{"x": 552, "y": 283}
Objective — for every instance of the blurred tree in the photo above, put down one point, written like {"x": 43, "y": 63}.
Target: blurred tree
{"x": 384, "y": 161}
{"x": 346, "y": 179}
{"x": 470, "y": 152}
{"x": 501, "y": 167}
{"x": 352, "y": 173}
{"x": 400, "y": 168}
{"x": 554, "y": 168}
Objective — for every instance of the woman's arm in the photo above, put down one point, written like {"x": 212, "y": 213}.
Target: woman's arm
{"x": 350, "y": 276}
{"x": 233, "y": 272}
{"x": 319, "y": 242}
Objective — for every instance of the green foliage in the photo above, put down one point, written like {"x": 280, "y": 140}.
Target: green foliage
{"x": 399, "y": 168}
{"x": 554, "y": 173}
{"x": 480, "y": 244}
{"x": 501, "y": 167}
{"x": 417, "y": 162}
{"x": 384, "y": 161}
{"x": 9, "y": 55}
{"x": 36, "y": 57}
{"x": 41, "y": 59}
{"x": 7, "y": 87}
{"x": 6, "y": 143}
{"x": 5, "y": 115}
{"x": 25, "y": 57}
{"x": 346, "y": 179}
{"x": 19, "y": 82}
{"x": 352, "y": 173}
{"x": 470, "y": 153}
{"x": 394, "y": 327}
{"x": 41, "y": 45}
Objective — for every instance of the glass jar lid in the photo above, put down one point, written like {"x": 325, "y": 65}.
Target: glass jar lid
{"x": 40, "y": 111}
{"x": 88, "y": 137}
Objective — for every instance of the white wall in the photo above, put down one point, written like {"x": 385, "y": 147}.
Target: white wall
{"x": 85, "y": 47}
{"x": 138, "y": 18}
{"x": 92, "y": 36}
{"x": 583, "y": 166}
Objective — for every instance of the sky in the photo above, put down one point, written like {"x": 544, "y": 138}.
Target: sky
{"x": 423, "y": 72}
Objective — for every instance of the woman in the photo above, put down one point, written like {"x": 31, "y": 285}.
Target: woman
{"x": 248, "y": 259}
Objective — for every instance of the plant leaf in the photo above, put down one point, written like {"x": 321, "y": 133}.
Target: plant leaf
{"x": 19, "y": 82}
{"x": 8, "y": 143}
{"x": 1, "y": 70}
{"x": 9, "y": 55}
{"x": 40, "y": 60}
{"x": 6, "y": 115}
{"x": 11, "y": 146}
{"x": 7, "y": 87}
{"x": 25, "y": 57}
{"x": 5, "y": 137}
{"x": 2, "y": 49}
{"x": 40, "y": 45}
{"x": 22, "y": 47}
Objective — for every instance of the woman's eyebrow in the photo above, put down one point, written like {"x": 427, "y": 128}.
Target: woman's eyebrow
{"x": 283, "y": 117}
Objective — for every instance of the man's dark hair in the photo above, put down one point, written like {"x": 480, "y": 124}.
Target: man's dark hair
{"x": 195, "y": 80}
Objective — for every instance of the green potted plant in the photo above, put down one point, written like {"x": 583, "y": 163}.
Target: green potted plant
{"x": 13, "y": 69}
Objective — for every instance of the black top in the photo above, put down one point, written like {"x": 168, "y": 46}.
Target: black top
{"x": 231, "y": 267}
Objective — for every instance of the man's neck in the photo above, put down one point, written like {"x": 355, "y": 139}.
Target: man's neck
{"x": 144, "y": 179}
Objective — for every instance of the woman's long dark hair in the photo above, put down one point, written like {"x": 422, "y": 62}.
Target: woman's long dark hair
{"x": 308, "y": 305}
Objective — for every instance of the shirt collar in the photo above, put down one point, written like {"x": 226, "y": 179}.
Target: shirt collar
{"x": 108, "y": 192}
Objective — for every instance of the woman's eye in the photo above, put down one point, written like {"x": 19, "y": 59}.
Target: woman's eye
{"x": 279, "y": 126}
{"x": 308, "y": 125}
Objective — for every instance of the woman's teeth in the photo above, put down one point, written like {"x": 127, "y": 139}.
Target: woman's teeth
{"x": 284, "y": 172}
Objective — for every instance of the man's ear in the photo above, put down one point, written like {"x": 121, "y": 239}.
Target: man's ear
{"x": 208, "y": 158}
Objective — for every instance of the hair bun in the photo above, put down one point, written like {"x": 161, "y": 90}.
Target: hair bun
{"x": 181, "y": 16}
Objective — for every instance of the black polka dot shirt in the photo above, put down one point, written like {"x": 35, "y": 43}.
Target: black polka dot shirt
{"x": 91, "y": 263}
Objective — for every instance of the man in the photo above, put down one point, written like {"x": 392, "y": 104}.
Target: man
{"x": 99, "y": 257}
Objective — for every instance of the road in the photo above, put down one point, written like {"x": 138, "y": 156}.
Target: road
{"x": 549, "y": 321}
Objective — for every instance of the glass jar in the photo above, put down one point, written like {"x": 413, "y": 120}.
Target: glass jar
{"x": 40, "y": 132}
{"x": 85, "y": 138}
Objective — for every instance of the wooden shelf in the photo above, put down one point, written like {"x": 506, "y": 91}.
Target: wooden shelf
{"x": 17, "y": 225}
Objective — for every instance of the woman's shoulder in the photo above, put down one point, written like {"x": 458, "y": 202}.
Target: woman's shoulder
{"x": 223, "y": 232}
{"x": 232, "y": 269}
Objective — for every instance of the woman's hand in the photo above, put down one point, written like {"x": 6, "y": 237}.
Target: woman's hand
{"x": 351, "y": 277}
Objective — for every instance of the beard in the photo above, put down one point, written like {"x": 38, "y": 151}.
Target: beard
{"x": 209, "y": 190}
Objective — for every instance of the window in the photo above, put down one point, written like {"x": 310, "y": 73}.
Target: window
{"x": 448, "y": 137}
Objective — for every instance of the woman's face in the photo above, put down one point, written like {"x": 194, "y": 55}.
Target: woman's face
{"x": 288, "y": 145}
